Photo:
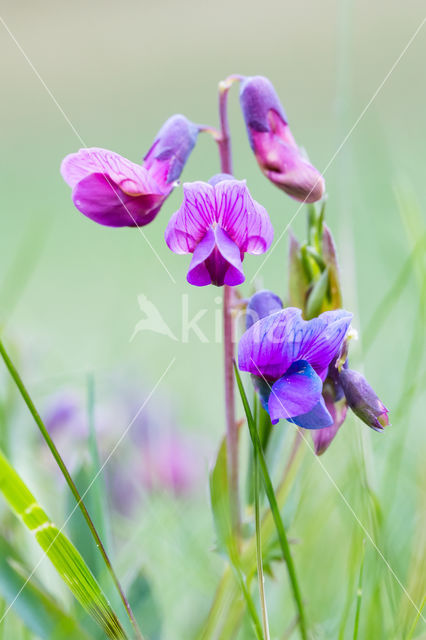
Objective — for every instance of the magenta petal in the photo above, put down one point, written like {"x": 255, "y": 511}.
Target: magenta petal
{"x": 104, "y": 202}
{"x": 198, "y": 273}
{"x": 322, "y": 438}
{"x": 132, "y": 178}
{"x": 188, "y": 226}
{"x": 216, "y": 260}
{"x": 230, "y": 252}
{"x": 295, "y": 393}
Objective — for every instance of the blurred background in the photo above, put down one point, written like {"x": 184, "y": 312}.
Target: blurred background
{"x": 108, "y": 74}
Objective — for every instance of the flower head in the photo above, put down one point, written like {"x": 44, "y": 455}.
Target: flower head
{"x": 273, "y": 144}
{"x": 363, "y": 400}
{"x": 289, "y": 358}
{"x": 218, "y": 222}
{"x": 116, "y": 192}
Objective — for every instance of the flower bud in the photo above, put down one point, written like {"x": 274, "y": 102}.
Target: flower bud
{"x": 260, "y": 305}
{"x": 273, "y": 144}
{"x": 171, "y": 148}
{"x": 362, "y": 400}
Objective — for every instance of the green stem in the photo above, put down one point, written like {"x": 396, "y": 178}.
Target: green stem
{"x": 260, "y": 575}
{"x": 250, "y": 604}
{"x": 61, "y": 464}
{"x": 269, "y": 489}
{"x": 359, "y": 597}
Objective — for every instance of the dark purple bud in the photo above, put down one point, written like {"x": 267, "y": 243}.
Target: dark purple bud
{"x": 171, "y": 148}
{"x": 363, "y": 400}
{"x": 273, "y": 144}
{"x": 260, "y": 305}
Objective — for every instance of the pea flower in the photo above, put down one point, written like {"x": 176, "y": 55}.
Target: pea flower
{"x": 218, "y": 222}
{"x": 116, "y": 192}
{"x": 289, "y": 360}
{"x": 274, "y": 146}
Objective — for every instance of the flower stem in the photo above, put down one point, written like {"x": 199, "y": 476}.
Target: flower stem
{"x": 269, "y": 490}
{"x": 224, "y": 145}
{"x": 260, "y": 576}
{"x": 61, "y": 464}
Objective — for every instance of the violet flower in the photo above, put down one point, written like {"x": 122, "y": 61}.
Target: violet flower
{"x": 218, "y": 222}
{"x": 116, "y": 192}
{"x": 276, "y": 151}
{"x": 289, "y": 359}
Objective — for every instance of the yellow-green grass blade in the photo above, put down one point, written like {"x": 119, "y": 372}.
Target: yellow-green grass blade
{"x": 61, "y": 552}
{"x": 38, "y": 611}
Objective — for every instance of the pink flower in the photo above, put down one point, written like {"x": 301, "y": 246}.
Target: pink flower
{"x": 218, "y": 223}
{"x": 116, "y": 192}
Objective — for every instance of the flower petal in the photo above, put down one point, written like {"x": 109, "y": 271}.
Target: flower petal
{"x": 317, "y": 418}
{"x": 245, "y": 221}
{"x": 260, "y": 231}
{"x": 198, "y": 273}
{"x": 216, "y": 260}
{"x": 295, "y": 393}
{"x": 132, "y": 178}
{"x": 260, "y": 305}
{"x": 266, "y": 349}
{"x": 188, "y": 226}
{"x": 104, "y": 202}
{"x": 322, "y": 438}
{"x": 323, "y": 338}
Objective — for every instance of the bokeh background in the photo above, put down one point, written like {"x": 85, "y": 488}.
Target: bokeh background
{"x": 108, "y": 74}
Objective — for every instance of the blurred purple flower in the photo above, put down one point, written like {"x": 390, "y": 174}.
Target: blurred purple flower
{"x": 116, "y": 192}
{"x": 276, "y": 151}
{"x": 218, "y": 222}
{"x": 289, "y": 359}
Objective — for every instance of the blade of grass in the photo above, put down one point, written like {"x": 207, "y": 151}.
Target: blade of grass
{"x": 61, "y": 552}
{"x": 40, "y": 613}
{"x": 269, "y": 489}
{"x": 260, "y": 575}
{"x": 39, "y": 422}
{"x": 98, "y": 488}
{"x": 359, "y": 596}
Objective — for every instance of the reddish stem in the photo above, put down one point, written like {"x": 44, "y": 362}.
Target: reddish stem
{"x": 224, "y": 144}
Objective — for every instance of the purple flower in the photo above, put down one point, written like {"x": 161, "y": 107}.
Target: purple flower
{"x": 116, "y": 192}
{"x": 273, "y": 144}
{"x": 289, "y": 359}
{"x": 218, "y": 222}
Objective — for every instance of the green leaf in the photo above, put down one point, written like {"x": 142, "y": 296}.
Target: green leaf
{"x": 298, "y": 282}
{"x": 317, "y": 296}
{"x": 61, "y": 552}
{"x": 220, "y": 501}
{"x": 329, "y": 254}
